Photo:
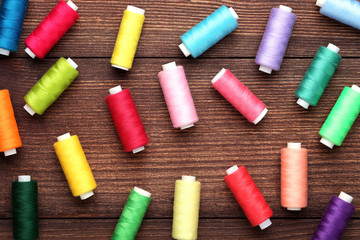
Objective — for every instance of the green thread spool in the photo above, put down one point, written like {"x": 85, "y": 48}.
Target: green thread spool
{"x": 186, "y": 208}
{"x": 341, "y": 117}
{"x": 50, "y": 86}
{"x": 25, "y": 208}
{"x": 132, "y": 215}
{"x": 318, "y": 76}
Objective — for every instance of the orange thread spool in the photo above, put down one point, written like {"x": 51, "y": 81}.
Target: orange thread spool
{"x": 294, "y": 177}
{"x": 9, "y": 132}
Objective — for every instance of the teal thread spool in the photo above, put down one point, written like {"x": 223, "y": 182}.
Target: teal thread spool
{"x": 132, "y": 215}
{"x": 318, "y": 76}
{"x": 25, "y": 209}
{"x": 341, "y": 117}
{"x": 50, "y": 86}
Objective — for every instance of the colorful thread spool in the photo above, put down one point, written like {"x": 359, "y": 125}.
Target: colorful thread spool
{"x": 9, "y": 132}
{"x": 50, "y": 86}
{"x": 318, "y": 75}
{"x": 294, "y": 177}
{"x": 75, "y": 166}
{"x": 335, "y": 218}
{"x": 209, "y": 31}
{"x": 25, "y": 208}
{"x": 128, "y": 38}
{"x": 51, "y": 29}
{"x": 345, "y": 11}
{"x": 239, "y": 96}
{"x": 341, "y": 117}
{"x": 178, "y": 96}
{"x": 12, "y": 14}
{"x": 186, "y": 208}
{"x": 126, "y": 119}
{"x": 249, "y": 197}
{"x": 275, "y": 40}
{"x": 132, "y": 214}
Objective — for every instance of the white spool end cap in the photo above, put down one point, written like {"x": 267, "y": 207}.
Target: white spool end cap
{"x": 24, "y": 178}
{"x": 72, "y": 5}
{"x": 10, "y": 152}
{"x": 303, "y": 103}
{"x": 232, "y": 169}
{"x": 293, "y": 209}
{"x": 218, "y": 75}
{"x": 320, "y": 3}
{"x": 327, "y": 143}
{"x": 356, "y": 88}
{"x": 265, "y": 224}
{"x": 285, "y": 8}
{"x": 261, "y": 116}
{"x": 115, "y": 90}
{"x": 346, "y": 197}
{"x": 139, "y": 149}
{"x": 294, "y": 145}
{"x": 142, "y": 192}
{"x": 86, "y": 195}
{"x": 169, "y": 66}
{"x": 29, "y": 110}
{"x": 187, "y": 126}
{"x": 265, "y": 69}
{"x": 119, "y": 67}
{"x": 188, "y": 178}
{"x": 4, "y": 52}
{"x": 333, "y": 48}
{"x": 135, "y": 10}
{"x": 184, "y": 50}
{"x": 72, "y": 63}
{"x": 63, "y": 137}
{"x": 233, "y": 13}
{"x": 30, "y": 53}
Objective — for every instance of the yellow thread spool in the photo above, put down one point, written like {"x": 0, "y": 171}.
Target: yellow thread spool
{"x": 128, "y": 38}
{"x": 186, "y": 208}
{"x": 75, "y": 166}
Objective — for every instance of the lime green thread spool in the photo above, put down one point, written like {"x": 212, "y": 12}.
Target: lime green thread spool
{"x": 341, "y": 117}
{"x": 318, "y": 76}
{"x": 25, "y": 209}
{"x": 132, "y": 215}
{"x": 50, "y": 86}
{"x": 186, "y": 208}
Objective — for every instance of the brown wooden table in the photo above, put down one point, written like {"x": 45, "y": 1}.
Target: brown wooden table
{"x": 219, "y": 140}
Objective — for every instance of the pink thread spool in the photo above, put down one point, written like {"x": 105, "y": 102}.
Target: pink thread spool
{"x": 178, "y": 96}
{"x": 239, "y": 96}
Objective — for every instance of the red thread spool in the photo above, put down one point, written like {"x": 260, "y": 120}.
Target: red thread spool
{"x": 126, "y": 119}
{"x": 249, "y": 197}
{"x": 51, "y": 29}
{"x": 239, "y": 96}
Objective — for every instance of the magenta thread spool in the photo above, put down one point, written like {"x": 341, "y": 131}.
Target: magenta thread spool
{"x": 275, "y": 40}
{"x": 178, "y": 96}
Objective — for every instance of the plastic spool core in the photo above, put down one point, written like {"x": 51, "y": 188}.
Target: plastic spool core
{"x": 303, "y": 103}
{"x": 63, "y": 137}
{"x": 135, "y": 10}
{"x": 30, "y": 53}
{"x": 184, "y": 50}
{"x": 10, "y": 152}
{"x": 346, "y": 197}
{"x": 234, "y": 13}
{"x": 187, "y": 126}
{"x": 285, "y": 8}
{"x": 188, "y": 178}
{"x": 169, "y": 66}
{"x": 24, "y": 178}
{"x": 232, "y": 169}
{"x": 218, "y": 76}
{"x": 29, "y": 110}
{"x": 122, "y": 68}
{"x": 320, "y": 3}
{"x": 72, "y": 63}
{"x": 294, "y": 145}
{"x": 4, "y": 52}
{"x": 72, "y": 5}
{"x": 139, "y": 149}
{"x": 142, "y": 192}
{"x": 115, "y": 90}
{"x": 261, "y": 116}
{"x": 327, "y": 143}
{"x": 265, "y": 69}
{"x": 333, "y": 48}
{"x": 265, "y": 224}
{"x": 356, "y": 88}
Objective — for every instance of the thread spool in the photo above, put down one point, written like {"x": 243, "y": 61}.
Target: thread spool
{"x": 9, "y": 132}
{"x": 294, "y": 177}
{"x": 248, "y": 196}
{"x": 75, "y": 166}
{"x": 335, "y": 218}
{"x": 275, "y": 40}
{"x": 128, "y": 38}
{"x": 345, "y": 11}
{"x": 132, "y": 214}
{"x": 25, "y": 208}
{"x": 341, "y": 117}
{"x": 51, "y": 29}
{"x": 208, "y": 32}
{"x": 50, "y": 86}
{"x": 318, "y": 75}
{"x": 186, "y": 208}
{"x": 178, "y": 96}
{"x": 126, "y": 119}
{"x": 239, "y": 96}
{"x": 12, "y": 14}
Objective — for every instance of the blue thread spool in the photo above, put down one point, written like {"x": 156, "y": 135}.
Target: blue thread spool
{"x": 345, "y": 11}
{"x": 12, "y": 14}
{"x": 209, "y": 31}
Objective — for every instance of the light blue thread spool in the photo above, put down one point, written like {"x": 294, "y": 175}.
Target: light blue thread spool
{"x": 209, "y": 31}
{"x": 345, "y": 11}
{"x": 12, "y": 14}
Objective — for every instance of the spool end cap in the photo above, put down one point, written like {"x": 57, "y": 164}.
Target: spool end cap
{"x": 294, "y": 145}
{"x": 184, "y": 50}
{"x": 333, "y": 48}
{"x": 63, "y": 137}
{"x": 285, "y": 8}
{"x": 232, "y": 169}
{"x": 234, "y": 13}
{"x": 115, "y": 90}
{"x": 265, "y": 69}
{"x": 86, "y": 195}
{"x": 135, "y": 10}
{"x": 346, "y": 197}
{"x": 327, "y": 143}
{"x": 72, "y": 5}
{"x": 142, "y": 192}
{"x": 320, "y": 3}
{"x": 293, "y": 209}
{"x": 29, "y": 110}
{"x": 72, "y": 63}
{"x": 187, "y": 126}
{"x": 169, "y": 66}
{"x": 218, "y": 76}
{"x": 356, "y": 88}
{"x": 30, "y": 53}
{"x": 261, "y": 116}
{"x": 265, "y": 224}
{"x": 10, "y": 152}
{"x": 4, "y": 52}
{"x": 119, "y": 67}
{"x": 24, "y": 178}
{"x": 139, "y": 149}
{"x": 188, "y": 178}
{"x": 303, "y": 103}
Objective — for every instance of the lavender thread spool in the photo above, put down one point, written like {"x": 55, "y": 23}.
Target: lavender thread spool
{"x": 275, "y": 40}
{"x": 335, "y": 218}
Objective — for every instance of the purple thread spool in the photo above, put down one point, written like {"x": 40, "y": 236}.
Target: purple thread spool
{"x": 275, "y": 40}
{"x": 335, "y": 218}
